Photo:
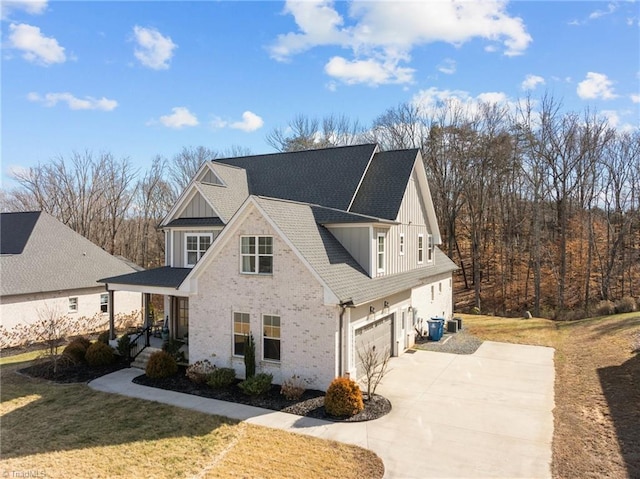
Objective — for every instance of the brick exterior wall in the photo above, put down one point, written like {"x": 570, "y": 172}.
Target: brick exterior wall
{"x": 308, "y": 326}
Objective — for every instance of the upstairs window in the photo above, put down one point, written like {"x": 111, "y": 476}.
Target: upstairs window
{"x": 401, "y": 244}
{"x": 104, "y": 303}
{"x": 420, "y": 249}
{"x": 430, "y": 248}
{"x": 381, "y": 251}
{"x": 196, "y": 246}
{"x": 257, "y": 254}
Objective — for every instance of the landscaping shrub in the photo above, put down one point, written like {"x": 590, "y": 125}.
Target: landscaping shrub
{"x": 103, "y": 337}
{"x": 99, "y": 354}
{"x": 221, "y": 378}
{"x": 172, "y": 346}
{"x": 124, "y": 342}
{"x": 293, "y": 388}
{"x": 256, "y": 385}
{"x": 343, "y": 398}
{"x": 82, "y": 340}
{"x": 626, "y": 305}
{"x": 199, "y": 371}
{"x": 161, "y": 365}
{"x": 249, "y": 356}
{"x": 606, "y": 308}
{"x": 75, "y": 351}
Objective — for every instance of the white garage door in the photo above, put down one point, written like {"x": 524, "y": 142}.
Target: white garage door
{"x": 378, "y": 334}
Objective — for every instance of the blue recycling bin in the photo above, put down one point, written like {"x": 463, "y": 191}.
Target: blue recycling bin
{"x": 436, "y": 328}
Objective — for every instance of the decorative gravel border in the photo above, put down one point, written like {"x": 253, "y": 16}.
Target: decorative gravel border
{"x": 461, "y": 342}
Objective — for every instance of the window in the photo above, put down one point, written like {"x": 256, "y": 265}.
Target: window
{"x": 196, "y": 246}
{"x": 433, "y": 294}
{"x": 380, "y": 252}
{"x": 104, "y": 303}
{"x": 430, "y": 248}
{"x": 241, "y": 329}
{"x": 271, "y": 338}
{"x": 440, "y": 287}
{"x": 401, "y": 244}
{"x": 73, "y": 305}
{"x": 420, "y": 249}
{"x": 257, "y": 254}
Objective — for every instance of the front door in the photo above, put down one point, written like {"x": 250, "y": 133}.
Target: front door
{"x": 182, "y": 315}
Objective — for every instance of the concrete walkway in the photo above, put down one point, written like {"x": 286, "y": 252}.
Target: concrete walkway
{"x": 454, "y": 416}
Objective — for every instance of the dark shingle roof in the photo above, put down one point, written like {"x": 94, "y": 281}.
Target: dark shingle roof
{"x": 15, "y": 230}
{"x": 163, "y": 277}
{"x": 327, "y": 177}
{"x": 213, "y": 221}
{"x": 383, "y": 187}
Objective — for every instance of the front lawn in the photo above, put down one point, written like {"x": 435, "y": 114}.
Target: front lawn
{"x": 70, "y": 430}
{"x": 597, "y": 389}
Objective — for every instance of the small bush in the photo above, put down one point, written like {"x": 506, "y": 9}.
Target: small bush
{"x": 172, "y": 346}
{"x": 99, "y": 354}
{"x": 75, "y": 351}
{"x": 293, "y": 388}
{"x": 161, "y": 365}
{"x": 605, "y": 308}
{"x": 221, "y": 378}
{"x": 475, "y": 310}
{"x": 626, "y": 305}
{"x": 343, "y": 398}
{"x": 82, "y": 340}
{"x": 199, "y": 371}
{"x": 124, "y": 342}
{"x": 256, "y": 385}
{"x": 103, "y": 337}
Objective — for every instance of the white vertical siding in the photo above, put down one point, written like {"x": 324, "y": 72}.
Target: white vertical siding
{"x": 198, "y": 208}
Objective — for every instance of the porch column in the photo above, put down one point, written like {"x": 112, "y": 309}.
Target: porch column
{"x": 112, "y": 325}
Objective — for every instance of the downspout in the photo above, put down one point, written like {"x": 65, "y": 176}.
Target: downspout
{"x": 344, "y": 306}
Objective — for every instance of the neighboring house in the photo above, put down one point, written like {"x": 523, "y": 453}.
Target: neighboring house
{"x": 319, "y": 254}
{"x": 46, "y": 266}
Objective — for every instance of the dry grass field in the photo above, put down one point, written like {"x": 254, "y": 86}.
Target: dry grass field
{"x": 597, "y": 389}
{"x": 60, "y": 431}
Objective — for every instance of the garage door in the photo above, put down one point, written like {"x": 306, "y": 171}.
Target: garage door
{"x": 378, "y": 334}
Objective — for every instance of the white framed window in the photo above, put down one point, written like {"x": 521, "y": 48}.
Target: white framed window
{"x": 420, "y": 248}
{"x": 381, "y": 252}
{"x": 429, "y": 248}
{"x": 270, "y": 337}
{"x": 401, "y": 244}
{"x": 241, "y": 329}
{"x": 73, "y": 304}
{"x": 256, "y": 254}
{"x": 195, "y": 246}
{"x": 104, "y": 303}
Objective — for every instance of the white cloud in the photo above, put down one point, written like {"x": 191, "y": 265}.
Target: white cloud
{"x": 635, "y": 98}
{"x": 153, "y": 50}
{"x": 431, "y": 100}
{"x": 531, "y": 82}
{"x": 74, "y": 103}
{"x": 250, "y": 122}
{"x": 369, "y": 71}
{"x": 32, "y": 7}
{"x": 596, "y": 85}
{"x": 180, "y": 118}
{"x": 382, "y": 34}
{"x": 448, "y": 66}
{"x": 35, "y": 46}
{"x": 611, "y": 7}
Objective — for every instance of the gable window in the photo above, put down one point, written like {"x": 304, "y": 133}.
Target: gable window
{"x": 381, "y": 251}
{"x": 73, "y": 305}
{"x": 430, "y": 248}
{"x": 257, "y": 254}
{"x": 241, "y": 329}
{"x": 104, "y": 303}
{"x": 420, "y": 249}
{"x": 271, "y": 337}
{"x": 196, "y": 246}
{"x": 401, "y": 244}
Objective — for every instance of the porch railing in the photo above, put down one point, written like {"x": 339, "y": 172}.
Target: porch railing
{"x": 139, "y": 342}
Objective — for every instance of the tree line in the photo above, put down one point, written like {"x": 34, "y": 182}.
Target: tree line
{"x": 539, "y": 206}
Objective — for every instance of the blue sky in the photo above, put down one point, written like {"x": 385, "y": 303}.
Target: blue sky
{"x": 141, "y": 79}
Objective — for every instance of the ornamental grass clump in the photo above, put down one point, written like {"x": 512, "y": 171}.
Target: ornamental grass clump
{"x": 199, "y": 371}
{"x": 99, "y": 354}
{"x": 343, "y": 398}
{"x": 161, "y": 365}
{"x": 75, "y": 351}
{"x": 293, "y": 388}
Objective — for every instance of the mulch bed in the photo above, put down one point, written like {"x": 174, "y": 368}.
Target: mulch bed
{"x": 310, "y": 405}
{"x": 71, "y": 373}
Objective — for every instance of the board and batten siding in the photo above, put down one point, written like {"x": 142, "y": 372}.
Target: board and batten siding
{"x": 211, "y": 178}
{"x": 412, "y": 217}
{"x": 198, "y": 208}
{"x": 177, "y": 243}
{"x": 356, "y": 241}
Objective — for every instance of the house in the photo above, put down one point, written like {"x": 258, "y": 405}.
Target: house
{"x": 46, "y": 266}
{"x": 319, "y": 254}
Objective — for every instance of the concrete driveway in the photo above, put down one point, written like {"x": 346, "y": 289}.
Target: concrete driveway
{"x": 488, "y": 414}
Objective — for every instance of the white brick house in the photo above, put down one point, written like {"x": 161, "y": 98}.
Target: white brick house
{"x": 318, "y": 254}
